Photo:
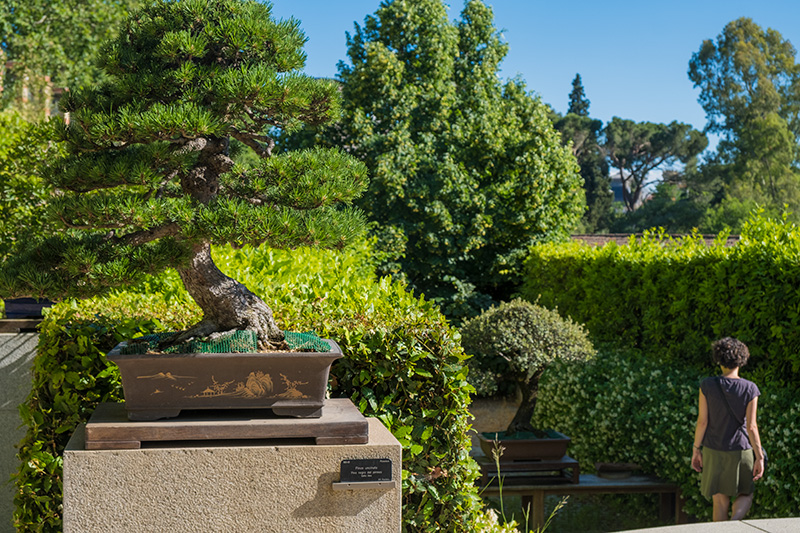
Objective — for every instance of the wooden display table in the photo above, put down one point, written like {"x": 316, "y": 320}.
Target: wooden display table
{"x": 340, "y": 423}
{"x": 533, "y": 492}
{"x": 531, "y": 472}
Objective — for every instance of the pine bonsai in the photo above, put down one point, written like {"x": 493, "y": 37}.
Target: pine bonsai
{"x": 148, "y": 182}
{"x": 517, "y": 341}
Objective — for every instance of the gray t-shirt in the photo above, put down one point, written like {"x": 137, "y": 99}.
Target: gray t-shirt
{"x": 724, "y": 432}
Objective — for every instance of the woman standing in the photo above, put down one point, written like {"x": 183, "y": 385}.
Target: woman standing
{"x": 732, "y": 457}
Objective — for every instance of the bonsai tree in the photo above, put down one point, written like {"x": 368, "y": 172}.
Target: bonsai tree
{"x": 516, "y": 341}
{"x": 148, "y": 181}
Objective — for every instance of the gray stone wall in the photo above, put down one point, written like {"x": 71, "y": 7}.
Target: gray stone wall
{"x": 16, "y": 355}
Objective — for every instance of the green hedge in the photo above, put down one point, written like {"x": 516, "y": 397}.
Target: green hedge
{"x": 672, "y": 298}
{"x": 403, "y": 365}
{"x": 625, "y": 407}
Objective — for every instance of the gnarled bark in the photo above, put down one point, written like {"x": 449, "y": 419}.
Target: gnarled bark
{"x": 226, "y": 303}
{"x": 530, "y": 392}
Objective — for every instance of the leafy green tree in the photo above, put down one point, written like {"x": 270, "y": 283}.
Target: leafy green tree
{"x": 749, "y": 86}
{"x": 148, "y": 183}
{"x": 578, "y": 103}
{"x": 57, "y": 39}
{"x": 671, "y": 207}
{"x": 466, "y": 172}
{"x": 635, "y": 149}
{"x": 23, "y": 195}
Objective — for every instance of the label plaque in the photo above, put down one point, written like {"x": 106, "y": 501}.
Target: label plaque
{"x": 365, "y": 470}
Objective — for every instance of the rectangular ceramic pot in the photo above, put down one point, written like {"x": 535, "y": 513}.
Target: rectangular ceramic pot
{"x": 162, "y": 385}
{"x": 533, "y": 449}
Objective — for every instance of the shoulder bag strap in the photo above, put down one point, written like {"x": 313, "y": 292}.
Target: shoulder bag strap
{"x": 730, "y": 409}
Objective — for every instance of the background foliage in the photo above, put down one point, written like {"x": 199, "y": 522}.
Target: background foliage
{"x": 403, "y": 365}
{"x": 56, "y": 39}
{"x": 626, "y": 407}
{"x": 585, "y": 134}
{"x": 672, "y": 298}
{"x": 22, "y": 193}
{"x": 466, "y": 171}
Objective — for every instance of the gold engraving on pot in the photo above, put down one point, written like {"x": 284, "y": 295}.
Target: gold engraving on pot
{"x": 165, "y": 375}
{"x": 257, "y": 385}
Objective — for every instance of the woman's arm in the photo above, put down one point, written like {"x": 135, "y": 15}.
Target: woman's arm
{"x": 700, "y": 432}
{"x": 755, "y": 439}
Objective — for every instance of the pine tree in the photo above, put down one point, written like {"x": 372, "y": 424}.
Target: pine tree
{"x": 148, "y": 182}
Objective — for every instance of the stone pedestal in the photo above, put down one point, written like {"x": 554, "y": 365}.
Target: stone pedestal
{"x": 262, "y": 487}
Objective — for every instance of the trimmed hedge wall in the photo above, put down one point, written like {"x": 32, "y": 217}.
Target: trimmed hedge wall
{"x": 403, "y": 365}
{"x": 672, "y": 298}
{"x": 654, "y": 306}
{"x": 625, "y": 407}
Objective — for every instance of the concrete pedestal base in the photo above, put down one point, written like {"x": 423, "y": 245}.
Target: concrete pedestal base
{"x": 259, "y": 488}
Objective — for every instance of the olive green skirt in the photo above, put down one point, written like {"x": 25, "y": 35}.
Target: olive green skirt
{"x": 729, "y": 473}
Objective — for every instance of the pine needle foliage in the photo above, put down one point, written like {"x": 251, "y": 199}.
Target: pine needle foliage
{"x": 148, "y": 181}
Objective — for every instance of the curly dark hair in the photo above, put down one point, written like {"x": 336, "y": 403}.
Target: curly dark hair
{"x": 730, "y": 352}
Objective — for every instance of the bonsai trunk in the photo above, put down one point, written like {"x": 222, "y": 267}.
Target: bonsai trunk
{"x": 530, "y": 392}
{"x": 226, "y": 303}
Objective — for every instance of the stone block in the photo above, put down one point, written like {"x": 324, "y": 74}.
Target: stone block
{"x": 264, "y": 487}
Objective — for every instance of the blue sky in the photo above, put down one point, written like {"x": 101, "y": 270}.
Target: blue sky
{"x": 633, "y": 56}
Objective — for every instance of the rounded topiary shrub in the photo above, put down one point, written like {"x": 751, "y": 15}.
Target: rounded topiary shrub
{"x": 513, "y": 344}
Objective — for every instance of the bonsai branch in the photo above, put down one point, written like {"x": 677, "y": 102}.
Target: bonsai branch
{"x": 263, "y": 149}
{"x": 142, "y": 237}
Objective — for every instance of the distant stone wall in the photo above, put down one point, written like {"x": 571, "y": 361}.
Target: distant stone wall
{"x": 16, "y": 356}
{"x": 600, "y": 239}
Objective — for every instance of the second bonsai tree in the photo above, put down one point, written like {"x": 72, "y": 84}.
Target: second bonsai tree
{"x": 515, "y": 342}
{"x": 148, "y": 181}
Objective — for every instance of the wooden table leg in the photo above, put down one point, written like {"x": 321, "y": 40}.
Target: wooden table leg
{"x": 527, "y": 507}
{"x": 680, "y": 515}
{"x": 667, "y": 501}
{"x": 534, "y": 505}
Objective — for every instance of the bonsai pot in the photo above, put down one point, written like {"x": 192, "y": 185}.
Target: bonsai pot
{"x": 162, "y": 385}
{"x": 25, "y": 308}
{"x": 525, "y": 446}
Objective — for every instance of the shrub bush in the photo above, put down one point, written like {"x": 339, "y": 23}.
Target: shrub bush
{"x": 626, "y": 407}
{"x": 672, "y": 298}
{"x": 403, "y": 365}
{"x": 514, "y": 343}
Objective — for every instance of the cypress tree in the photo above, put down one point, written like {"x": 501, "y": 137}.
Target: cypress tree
{"x": 578, "y": 103}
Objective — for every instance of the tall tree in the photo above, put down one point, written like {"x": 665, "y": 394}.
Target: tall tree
{"x": 749, "y": 86}
{"x": 578, "y": 103}
{"x": 57, "y": 39}
{"x": 148, "y": 183}
{"x": 466, "y": 172}
{"x": 635, "y": 149}
{"x": 585, "y": 135}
